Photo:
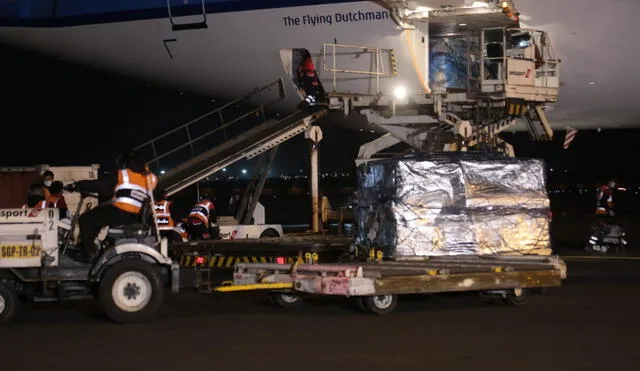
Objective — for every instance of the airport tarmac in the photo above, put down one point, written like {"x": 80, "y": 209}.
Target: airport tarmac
{"x": 590, "y": 323}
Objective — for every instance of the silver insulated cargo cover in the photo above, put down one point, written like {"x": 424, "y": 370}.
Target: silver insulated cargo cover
{"x": 453, "y": 204}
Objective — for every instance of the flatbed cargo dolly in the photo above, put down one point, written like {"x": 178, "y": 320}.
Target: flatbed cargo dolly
{"x": 205, "y": 264}
{"x": 377, "y": 284}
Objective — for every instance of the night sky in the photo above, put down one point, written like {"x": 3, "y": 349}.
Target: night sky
{"x": 60, "y": 113}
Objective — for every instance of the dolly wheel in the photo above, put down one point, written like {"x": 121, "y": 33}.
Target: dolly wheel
{"x": 380, "y": 304}
{"x": 517, "y": 297}
{"x": 131, "y": 291}
{"x": 285, "y": 300}
{"x": 8, "y": 303}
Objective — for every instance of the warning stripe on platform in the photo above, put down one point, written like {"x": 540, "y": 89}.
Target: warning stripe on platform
{"x": 190, "y": 261}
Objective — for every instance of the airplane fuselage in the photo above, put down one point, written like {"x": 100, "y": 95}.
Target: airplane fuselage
{"x": 245, "y": 43}
{"x": 237, "y": 52}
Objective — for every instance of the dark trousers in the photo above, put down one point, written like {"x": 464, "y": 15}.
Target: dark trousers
{"x": 197, "y": 230}
{"x": 92, "y": 221}
{"x": 310, "y": 86}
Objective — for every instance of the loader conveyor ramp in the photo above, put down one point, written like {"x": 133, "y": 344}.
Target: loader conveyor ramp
{"x": 244, "y": 146}
{"x": 236, "y": 130}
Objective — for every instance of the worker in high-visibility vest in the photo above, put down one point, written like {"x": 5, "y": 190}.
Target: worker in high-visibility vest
{"x": 132, "y": 186}
{"x": 163, "y": 212}
{"x": 202, "y": 220}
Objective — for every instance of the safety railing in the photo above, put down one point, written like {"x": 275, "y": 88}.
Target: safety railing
{"x": 376, "y": 66}
{"x": 501, "y": 61}
{"x": 214, "y": 127}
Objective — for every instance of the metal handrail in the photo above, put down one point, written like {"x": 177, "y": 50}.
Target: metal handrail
{"x": 260, "y": 109}
{"x": 379, "y": 62}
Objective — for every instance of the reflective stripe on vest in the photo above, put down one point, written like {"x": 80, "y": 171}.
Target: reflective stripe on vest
{"x": 132, "y": 190}
{"x": 53, "y": 201}
{"x": 163, "y": 214}
{"x": 201, "y": 211}
{"x": 39, "y": 205}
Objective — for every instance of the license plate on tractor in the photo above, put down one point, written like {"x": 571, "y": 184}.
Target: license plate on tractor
{"x": 20, "y": 251}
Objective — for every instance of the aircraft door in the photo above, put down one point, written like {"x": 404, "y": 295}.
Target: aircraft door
{"x": 301, "y": 69}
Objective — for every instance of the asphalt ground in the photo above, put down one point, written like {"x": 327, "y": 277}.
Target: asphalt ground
{"x": 590, "y": 323}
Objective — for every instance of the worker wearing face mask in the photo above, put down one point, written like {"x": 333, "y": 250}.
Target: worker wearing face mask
{"x": 45, "y": 183}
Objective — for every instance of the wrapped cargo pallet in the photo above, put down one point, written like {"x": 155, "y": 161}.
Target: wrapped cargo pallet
{"x": 453, "y": 204}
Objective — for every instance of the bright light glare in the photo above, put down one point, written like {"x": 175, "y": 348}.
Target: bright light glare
{"x": 400, "y": 92}
{"x": 479, "y": 4}
{"x": 244, "y": 171}
{"x": 423, "y": 9}
{"x": 505, "y": 4}
{"x": 162, "y": 171}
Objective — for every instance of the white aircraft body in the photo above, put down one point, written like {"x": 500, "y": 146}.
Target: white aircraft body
{"x": 249, "y": 43}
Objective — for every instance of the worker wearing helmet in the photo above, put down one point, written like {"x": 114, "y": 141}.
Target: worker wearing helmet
{"x": 132, "y": 186}
{"x": 202, "y": 220}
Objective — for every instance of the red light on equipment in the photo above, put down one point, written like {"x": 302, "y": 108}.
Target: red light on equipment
{"x": 280, "y": 260}
{"x": 200, "y": 260}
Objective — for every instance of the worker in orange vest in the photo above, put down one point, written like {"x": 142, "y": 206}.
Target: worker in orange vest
{"x": 163, "y": 212}
{"x": 202, "y": 219}
{"x": 132, "y": 187}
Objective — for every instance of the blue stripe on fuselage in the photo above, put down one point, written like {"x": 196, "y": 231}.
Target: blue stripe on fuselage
{"x": 65, "y": 13}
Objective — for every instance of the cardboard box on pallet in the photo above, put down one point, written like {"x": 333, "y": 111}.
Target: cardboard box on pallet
{"x": 453, "y": 204}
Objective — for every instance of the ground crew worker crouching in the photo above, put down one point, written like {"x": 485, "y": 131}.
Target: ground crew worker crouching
{"x": 202, "y": 221}
{"x": 132, "y": 187}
